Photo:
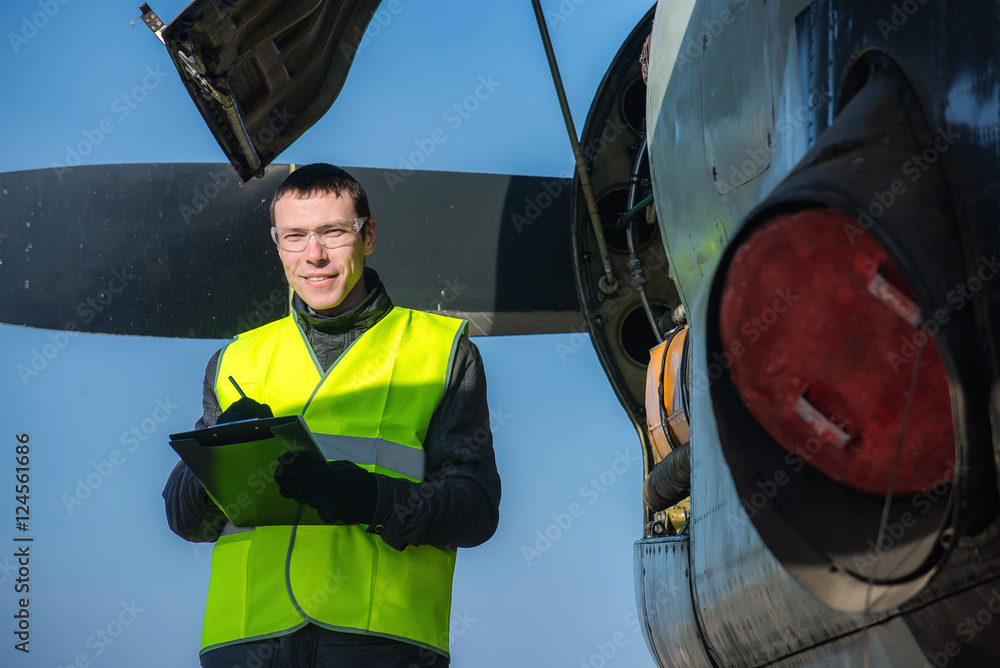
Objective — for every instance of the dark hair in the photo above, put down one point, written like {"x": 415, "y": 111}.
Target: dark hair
{"x": 320, "y": 177}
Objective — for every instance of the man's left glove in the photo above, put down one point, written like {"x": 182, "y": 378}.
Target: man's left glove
{"x": 342, "y": 492}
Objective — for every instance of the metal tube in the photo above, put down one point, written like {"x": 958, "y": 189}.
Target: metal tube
{"x": 669, "y": 482}
{"x": 581, "y": 167}
{"x": 627, "y": 217}
{"x": 634, "y": 261}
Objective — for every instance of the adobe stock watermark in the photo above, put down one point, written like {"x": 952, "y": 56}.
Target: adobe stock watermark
{"x": 607, "y": 650}
{"x": 277, "y": 121}
{"x": 901, "y": 13}
{"x": 121, "y": 107}
{"x": 669, "y": 587}
{"x": 958, "y": 296}
{"x": 693, "y": 47}
{"x": 968, "y": 629}
{"x": 561, "y": 14}
{"x": 264, "y": 310}
{"x": 751, "y": 330}
{"x": 611, "y": 305}
{"x": 104, "y": 637}
{"x": 88, "y": 309}
{"x": 130, "y": 440}
{"x": 260, "y": 480}
{"x": 256, "y": 484}
{"x": 552, "y": 189}
{"x": 31, "y": 25}
{"x": 259, "y": 655}
{"x": 7, "y": 569}
{"x": 203, "y": 195}
{"x": 458, "y": 625}
{"x": 795, "y": 460}
{"x": 590, "y": 491}
{"x": 380, "y": 20}
{"x": 377, "y": 362}
{"x": 452, "y": 290}
{"x": 784, "y": 128}
{"x": 453, "y": 117}
{"x": 914, "y": 168}
{"x": 894, "y": 532}
{"x": 471, "y": 445}
{"x": 575, "y": 342}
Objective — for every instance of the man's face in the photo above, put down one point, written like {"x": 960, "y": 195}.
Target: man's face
{"x": 329, "y": 280}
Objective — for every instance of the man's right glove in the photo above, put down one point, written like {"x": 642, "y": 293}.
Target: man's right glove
{"x": 245, "y": 409}
{"x": 341, "y": 492}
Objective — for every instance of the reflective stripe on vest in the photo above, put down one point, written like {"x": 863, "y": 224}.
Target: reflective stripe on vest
{"x": 375, "y": 453}
{"x": 372, "y": 407}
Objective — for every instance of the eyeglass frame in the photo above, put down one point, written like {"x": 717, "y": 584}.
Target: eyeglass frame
{"x": 359, "y": 224}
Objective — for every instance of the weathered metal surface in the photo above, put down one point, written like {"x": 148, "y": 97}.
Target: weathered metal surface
{"x": 663, "y": 591}
{"x": 752, "y": 611}
{"x": 882, "y": 646}
{"x": 736, "y": 105}
{"x": 696, "y": 221}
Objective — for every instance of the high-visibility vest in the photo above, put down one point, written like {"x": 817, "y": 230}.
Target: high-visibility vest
{"x": 270, "y": 580}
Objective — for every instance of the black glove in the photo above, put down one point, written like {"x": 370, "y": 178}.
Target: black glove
{"x": 342, "y": 492}
{"x": 245, "y": 409}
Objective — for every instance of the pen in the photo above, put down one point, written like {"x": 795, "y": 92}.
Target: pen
{"x": 233, "y": 381}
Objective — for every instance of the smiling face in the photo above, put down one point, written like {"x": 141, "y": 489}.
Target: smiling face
{"x": 328, "y": 280}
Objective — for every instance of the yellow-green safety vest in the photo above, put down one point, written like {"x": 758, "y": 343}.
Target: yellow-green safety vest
{"x": 268, "y": 581}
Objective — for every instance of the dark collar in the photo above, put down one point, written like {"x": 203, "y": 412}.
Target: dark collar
{"x": 372, "y": 309}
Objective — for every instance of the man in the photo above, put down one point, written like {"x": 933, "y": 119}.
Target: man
{"x": 373, "y": 587}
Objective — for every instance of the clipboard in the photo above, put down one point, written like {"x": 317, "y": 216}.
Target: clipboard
{"x": 236, "y": 462}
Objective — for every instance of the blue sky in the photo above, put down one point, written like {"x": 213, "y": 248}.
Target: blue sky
{"x": 545, "y": 591}
{"x": 87, "y": 64}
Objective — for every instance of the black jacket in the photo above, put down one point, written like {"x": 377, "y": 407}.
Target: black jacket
{"x": 458, "y": 502}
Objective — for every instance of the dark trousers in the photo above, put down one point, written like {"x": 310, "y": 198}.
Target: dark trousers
{"x": 315, "y": 647}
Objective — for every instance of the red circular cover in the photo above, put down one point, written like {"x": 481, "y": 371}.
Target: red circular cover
{"x": 823, "y": 333}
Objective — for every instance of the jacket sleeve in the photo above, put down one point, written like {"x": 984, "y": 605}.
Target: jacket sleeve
{"x": 458, "y": 503}
{"x": 190, "y": 513}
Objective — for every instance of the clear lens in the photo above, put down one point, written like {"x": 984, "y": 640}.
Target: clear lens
{"x": 331, "y": 235}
